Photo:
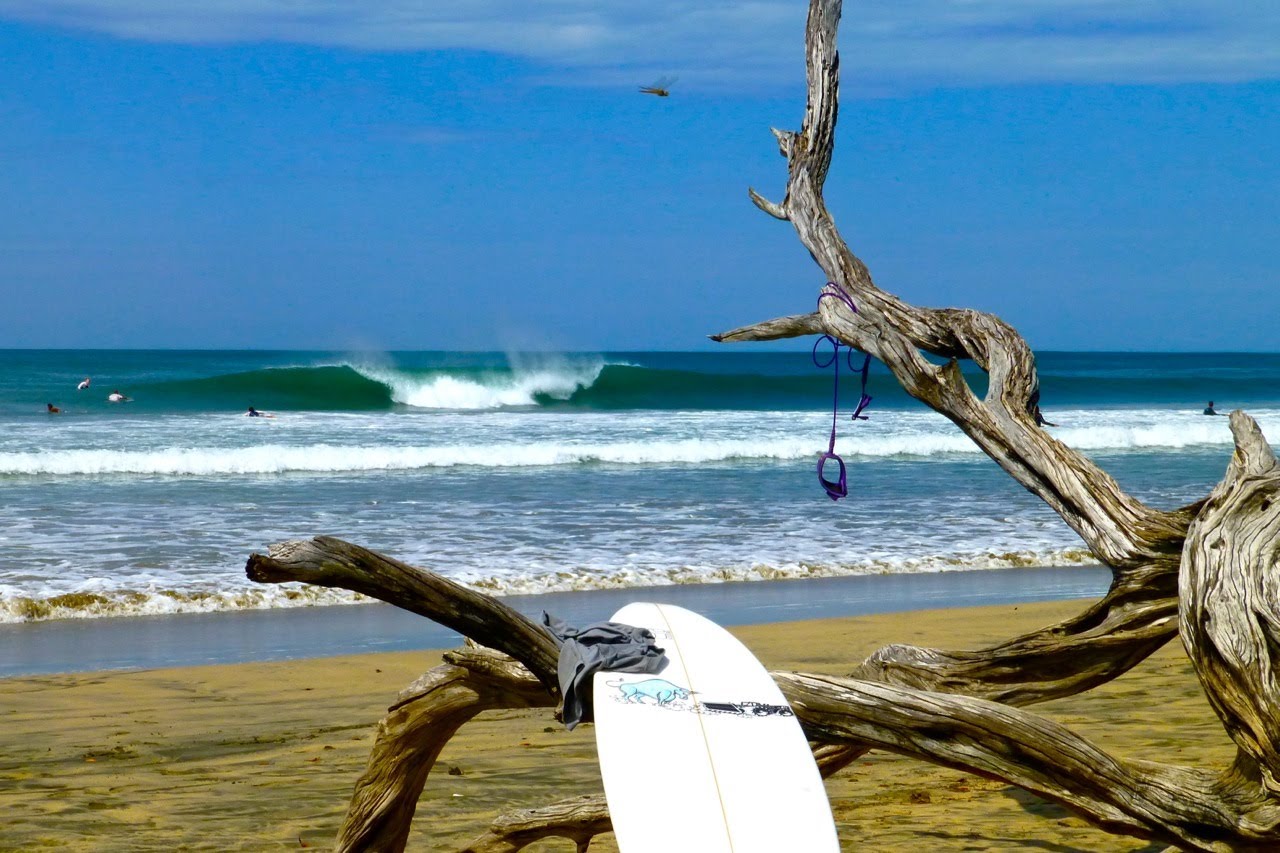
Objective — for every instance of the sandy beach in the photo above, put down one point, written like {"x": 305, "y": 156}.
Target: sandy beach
{"x": 263, "y": 756}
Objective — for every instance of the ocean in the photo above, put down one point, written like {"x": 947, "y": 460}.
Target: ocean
{"x": 526, "y": 473}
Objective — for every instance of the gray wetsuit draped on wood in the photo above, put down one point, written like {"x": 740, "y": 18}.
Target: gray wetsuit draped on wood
{"x": 599, "y": 646}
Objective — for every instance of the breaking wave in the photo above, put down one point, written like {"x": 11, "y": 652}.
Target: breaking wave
{"x": 357, "y": 387}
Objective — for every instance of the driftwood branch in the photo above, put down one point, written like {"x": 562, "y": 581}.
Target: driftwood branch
{"x": 330, "y": 562}
{"x": 1230, "y": 600}
{"x": 430, "y": 711}
{"x": 1191, "y": 809}
{"x": 1230, "y": 621}
{"x": 415, "y": 730}
{"x": 1142, "y": 545}
{"x": 772, "y": 330}
{"x": 579, "y": 819}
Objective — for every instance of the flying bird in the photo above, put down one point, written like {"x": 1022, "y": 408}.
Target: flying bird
{"x": 661, "y": 87}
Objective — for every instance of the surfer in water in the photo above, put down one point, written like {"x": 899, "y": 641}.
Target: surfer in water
{"x": 83, "y": 385}
{"x": 1033, "y": 406}
{"x": 52, "y": 409}
{"x": 254, "y": 413}
{"x": 1209, "y": 409}
{"x": 117, "y": 397}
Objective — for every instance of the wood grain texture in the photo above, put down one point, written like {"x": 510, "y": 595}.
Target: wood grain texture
{"x": 1141, "y": 544}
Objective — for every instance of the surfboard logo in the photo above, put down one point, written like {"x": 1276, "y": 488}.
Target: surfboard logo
{"x": 661, "y": 691}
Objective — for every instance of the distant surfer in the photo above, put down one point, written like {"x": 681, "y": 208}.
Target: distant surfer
{"x": 117, "y": 397}
{"x": 254, "y": 413}
{"x": 1034, "y": 406}
{"x": 53, "y": 410}
{"x": 1209, "y": 409}
{"x": 83, "y": 385}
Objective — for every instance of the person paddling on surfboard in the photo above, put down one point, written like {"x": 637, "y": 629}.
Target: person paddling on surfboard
{"x": 117, "y": 397}
{"x": 83, "y": 385}
{"x": 254, "y": 413}
{"x": 52, "y": 409}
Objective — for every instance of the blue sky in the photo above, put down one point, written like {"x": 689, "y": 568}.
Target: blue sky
{"x": 385, "y": 174}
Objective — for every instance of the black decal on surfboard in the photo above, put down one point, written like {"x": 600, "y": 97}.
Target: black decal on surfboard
{"x": 746, "y": 709}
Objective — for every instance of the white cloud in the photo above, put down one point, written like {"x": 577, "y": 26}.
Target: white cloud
{"x": 885, "y": 43}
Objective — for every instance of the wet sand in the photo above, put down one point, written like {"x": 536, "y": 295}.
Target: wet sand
{"x": 263, "y": 756}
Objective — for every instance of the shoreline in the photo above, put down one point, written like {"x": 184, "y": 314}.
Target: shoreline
{"x": 146, "y": 642}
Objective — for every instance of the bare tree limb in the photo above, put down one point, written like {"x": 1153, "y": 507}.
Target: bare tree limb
{"x": 783, "y": 327}
{"x": 414, "y": 731}
{"x": 579, "y": 819}
{"x": 326, "y": 561}
{"x": 1230, "y": 599}
{"x": 1191, "y": 809}
{"x": 775, "y": 210}
{"x": 1141, "y": 544}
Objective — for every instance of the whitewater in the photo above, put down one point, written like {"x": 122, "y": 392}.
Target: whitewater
{"x": 612, "y": 439}
{"x": 545, "y": 472}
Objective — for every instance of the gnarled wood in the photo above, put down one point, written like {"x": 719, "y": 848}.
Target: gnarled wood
{"x": 1230, "y": 614}
{"x": 579, "y": 819}
{"x": 416, "y": 728}
{"x": 1230, "y": 599}
{"x": 1192, "y": 809}
{"x": 772, "y": 330}
{"x": 1141, "y": 544}
{"x": 330, "y": 562}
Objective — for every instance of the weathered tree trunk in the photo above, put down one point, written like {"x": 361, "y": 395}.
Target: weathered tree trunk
{"x": 1142, "y": 545}
{"x": 326, "y": 561}
{"x": 424, "y": 717}
{"x": 579, "y": 819}
{"x": 1210, "y": 571}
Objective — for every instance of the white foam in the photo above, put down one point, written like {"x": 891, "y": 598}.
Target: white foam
{"x": 279, "y": 459}
{"x": 550, "y": 376}
{"x": 507, "y": 440}
{"x": 101, "y": 604}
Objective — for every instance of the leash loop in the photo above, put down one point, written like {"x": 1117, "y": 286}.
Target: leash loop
{"x": 838, "y": 487}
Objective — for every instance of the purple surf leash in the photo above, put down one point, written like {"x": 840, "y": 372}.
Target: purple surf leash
{"x": 839, "y": 487}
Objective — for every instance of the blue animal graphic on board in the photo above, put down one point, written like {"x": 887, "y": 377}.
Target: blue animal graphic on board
{"x": 661, "y": 691}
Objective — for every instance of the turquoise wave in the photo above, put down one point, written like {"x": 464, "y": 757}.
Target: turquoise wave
{"x": 626, "y": 387}
{"x": 325, "y": 388}
{"x": 661, "y": 381}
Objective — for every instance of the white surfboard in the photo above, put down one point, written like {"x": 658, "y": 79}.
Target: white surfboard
{"x": 705, "y": 755}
